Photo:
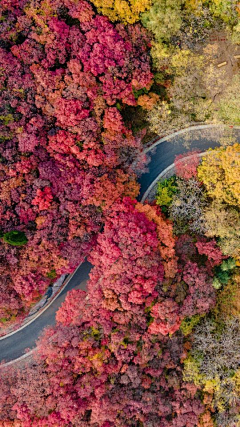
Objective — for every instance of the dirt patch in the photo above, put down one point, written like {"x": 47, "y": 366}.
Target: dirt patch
{"x": 222, "y": 63}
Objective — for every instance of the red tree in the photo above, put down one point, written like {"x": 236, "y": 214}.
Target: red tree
{"x": 186, "y": 164}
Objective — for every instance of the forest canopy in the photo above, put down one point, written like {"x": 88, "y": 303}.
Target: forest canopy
{"x": 84, "y": 85}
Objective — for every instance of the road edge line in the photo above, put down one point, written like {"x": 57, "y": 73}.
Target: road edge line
{"x": 204, "y": 153}
{"x": 40, "y": 312}
{"x": 181, "y": 131}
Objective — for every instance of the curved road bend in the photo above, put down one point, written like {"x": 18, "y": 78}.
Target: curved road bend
{"x": 13, "y": 346}
{"x": 161, "y": 157}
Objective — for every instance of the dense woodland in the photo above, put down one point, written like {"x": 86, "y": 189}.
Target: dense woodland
{"x": 154, "y": 342}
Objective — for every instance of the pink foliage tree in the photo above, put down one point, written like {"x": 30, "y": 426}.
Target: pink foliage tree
{"x": 43, "y": 198}
{"x": 186, "y": 165}
{"x": 166, "y": 317}
{"x": 202, "y": 296}
{"x": 211, "y": 251}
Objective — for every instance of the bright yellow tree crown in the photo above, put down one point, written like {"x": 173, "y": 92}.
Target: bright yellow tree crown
{"x": 127, "y": 12}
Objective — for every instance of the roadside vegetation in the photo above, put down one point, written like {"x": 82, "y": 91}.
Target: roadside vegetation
{"x": 202, "y": 201}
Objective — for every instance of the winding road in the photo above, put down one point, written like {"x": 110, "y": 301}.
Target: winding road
{"x": 161, "y": 155}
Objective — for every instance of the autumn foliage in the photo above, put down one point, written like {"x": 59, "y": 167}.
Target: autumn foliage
{"x": 118, "y": 355}
{"x": 205, "y": 214}
{"x": 220, "y": 175}
{"x": 165, "y": 236}
{"x": 126, "y": 11}
{"x": 115, "y": 356}
{"x": 110, "y": 360}
{"x": 186, "y": 165}
{"x": 65, "y": 153}
{"x": 219, "y": 171}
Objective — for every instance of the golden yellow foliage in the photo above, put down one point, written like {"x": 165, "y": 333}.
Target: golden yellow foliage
{"x": 236, "y": 380}
{"x": 220, "y": 173}
{"x": 191, "y": 371}
{"x": 229, "y": 299}
{"x": 161, "y": 55}
{"x": 127, "y": 12}
{"x": 184, "y": 61}
{"x": 224, "y": 222}
{"x": 193, "y": 5}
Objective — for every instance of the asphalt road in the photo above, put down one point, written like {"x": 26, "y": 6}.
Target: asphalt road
{"x": 14, "y": 346}
{"x": 161, "y": 157}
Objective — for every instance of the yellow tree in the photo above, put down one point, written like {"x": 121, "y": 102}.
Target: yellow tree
{"x": 223, "y": 222}
{"x": 228, "y": 105}
{"x": 220, "y": 174}
{"x": 227, "y": 10}
{"x": 228, "y": 303}
{"x": 121, "y": 10}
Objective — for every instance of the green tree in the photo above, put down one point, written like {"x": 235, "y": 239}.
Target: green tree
{"x": 165, "y": 192}
{"x": 15, "y": 238}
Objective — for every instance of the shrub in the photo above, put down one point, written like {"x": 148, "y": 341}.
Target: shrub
{"x": 15, "y": 238}
{"x": 52, "y": 274}
{"x": 223, "y": 272}
{"x": 165, "y": 192}
{"x": 189, "y": 323}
